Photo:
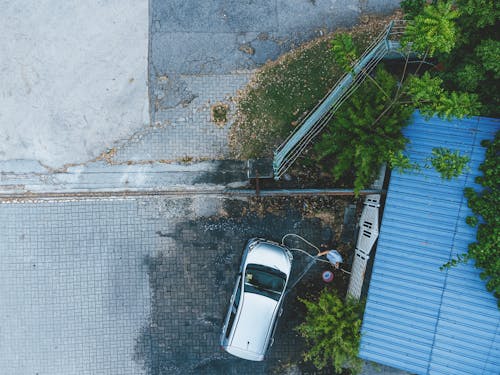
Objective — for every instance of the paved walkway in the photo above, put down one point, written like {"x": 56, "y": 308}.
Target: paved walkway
{"x": 137, "y": 285}
{"x": 183, "y": 126}
{"x": 31, "y": 178}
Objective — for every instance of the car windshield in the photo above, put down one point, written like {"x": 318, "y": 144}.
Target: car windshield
{"x": 265, "y": 281}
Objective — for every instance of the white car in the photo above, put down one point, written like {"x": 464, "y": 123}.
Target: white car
{"x": 256, "y": 300}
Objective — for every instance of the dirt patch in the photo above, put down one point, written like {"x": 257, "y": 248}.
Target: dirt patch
{"x": 219, "y": 113}
{"x": 247, "y": 49}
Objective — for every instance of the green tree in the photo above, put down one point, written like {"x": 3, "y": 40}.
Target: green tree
{"x": 479, "y": 68}
{"x": 344, "y": 51}
{"x": 488, "y": 54}
{"x": 425, "y": 91}
{"x": 457, "y": 104}
{"x": 412, "y": 8}
{"x": 469, "y": 76}
{"x": 473, "y": 65}
{"x": 400, "y": 162}
{"x": 449, "y": 164}
{"x": 427, "y": 94}
{"x": 361, "y": 136}
{"x": 332, "y": 331}
{"x": 485, "y": 205}
{"x": 367, "y": 130}
{"x": 476, "y": 14}
{"x": 463, "y": 36}
{"x": 433, "y": 30}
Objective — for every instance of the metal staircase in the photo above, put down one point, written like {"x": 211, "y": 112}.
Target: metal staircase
{"x": 367, "y": 236}
{"x": 318, "y": 118}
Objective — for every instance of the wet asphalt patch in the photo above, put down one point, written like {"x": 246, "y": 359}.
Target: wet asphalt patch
{"x": 191, "y": 284}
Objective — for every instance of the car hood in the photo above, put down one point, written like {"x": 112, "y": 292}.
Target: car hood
{"x": 270, "y": 255}
{"x": 254, "y": 323}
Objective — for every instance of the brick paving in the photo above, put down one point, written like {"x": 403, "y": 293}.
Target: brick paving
{"x": 185, "y": 129}
{"x": 135, "y": 286}
{"x": 73, "y": 289}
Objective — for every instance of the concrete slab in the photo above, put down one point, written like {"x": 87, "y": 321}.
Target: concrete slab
{"x": 74, "y": 77}
{"x": 193, "y": 37}
{"x": 197, "y": 53}
{"x": 102, "y": 177}
{"x": 215, "y": 16}
{"x": 299, "y": 16}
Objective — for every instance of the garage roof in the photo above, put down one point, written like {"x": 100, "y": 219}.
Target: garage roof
{"x": 418, "y": 318}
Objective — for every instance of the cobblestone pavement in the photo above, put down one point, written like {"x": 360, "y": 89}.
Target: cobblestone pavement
{"x": 139, "y": 286}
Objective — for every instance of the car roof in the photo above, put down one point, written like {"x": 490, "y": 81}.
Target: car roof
{"x": 254, "y": 323}
{"x": 271, "y": 255}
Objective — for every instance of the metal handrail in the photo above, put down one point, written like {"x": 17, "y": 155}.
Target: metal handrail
{"x": 310, "y": 126}
{"x": 369, "y": 48}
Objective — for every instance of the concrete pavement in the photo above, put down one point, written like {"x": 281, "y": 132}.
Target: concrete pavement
{"x": 74, "y": 77}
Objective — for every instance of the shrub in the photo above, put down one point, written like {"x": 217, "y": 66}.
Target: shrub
{"x": 449, "y": 164}
{"x": 332, "y": 330}
{"x": 219, "y": 113}
{"x": 485, "y": 205}
{"x": 344, "y": 51}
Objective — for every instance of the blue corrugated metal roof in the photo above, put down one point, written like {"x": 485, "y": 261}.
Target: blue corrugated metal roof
{"x": 418, "y": 318}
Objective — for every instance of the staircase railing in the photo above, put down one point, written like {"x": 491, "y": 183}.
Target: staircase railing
{"x": 318, "y": 118}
